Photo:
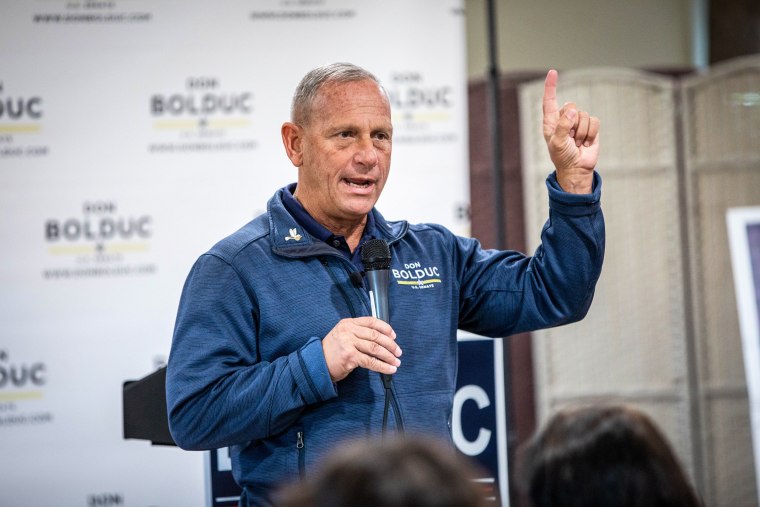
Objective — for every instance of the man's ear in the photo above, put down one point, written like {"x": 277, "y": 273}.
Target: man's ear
{"x": 292, "y": 139}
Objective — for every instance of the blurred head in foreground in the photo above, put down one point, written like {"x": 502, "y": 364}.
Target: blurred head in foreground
{"x": 390, "y": 473}
{"x": 603, "y": 456}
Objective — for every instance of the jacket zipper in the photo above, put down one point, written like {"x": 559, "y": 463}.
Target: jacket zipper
{"x": 337, "y": 283}
{"x": 301, "y": 454}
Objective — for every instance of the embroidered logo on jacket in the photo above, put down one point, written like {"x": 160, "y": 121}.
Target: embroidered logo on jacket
{"x": 417, "y": 276}
{"x": 293, "y": 235}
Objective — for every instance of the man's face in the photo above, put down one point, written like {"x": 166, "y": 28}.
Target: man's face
{"x": 345, "y": 153}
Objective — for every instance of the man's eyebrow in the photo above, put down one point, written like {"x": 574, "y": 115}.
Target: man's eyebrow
{"x": 340, "y": 127}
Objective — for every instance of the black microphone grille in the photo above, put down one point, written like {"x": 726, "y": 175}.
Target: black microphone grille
{"x": 376, "y": 254}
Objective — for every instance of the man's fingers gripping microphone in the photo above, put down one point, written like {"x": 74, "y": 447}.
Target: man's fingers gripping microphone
{"x": 380, "y": 353}
{"x": 358, "y": 342}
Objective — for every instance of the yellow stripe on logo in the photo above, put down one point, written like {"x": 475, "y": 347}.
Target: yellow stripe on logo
{"x": 193, "y": 124}
{"x": 90, "y": 249}
{"x": 418, "y": 282}
{"x": 71, "y": 249}
{"x": 24, "y": 395}
{"x": 21, "y": 128}
{"x": 432, "y": 116}
{"x": 175, "y": 124}
{"x": 229, "y": 123}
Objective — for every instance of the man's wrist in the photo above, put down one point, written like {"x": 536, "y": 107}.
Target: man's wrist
{"x": 576, "y": 181}
{"x": 567, "y": 203}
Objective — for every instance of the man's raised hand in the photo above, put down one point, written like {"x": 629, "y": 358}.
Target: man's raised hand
{"x": 572, "y": 136}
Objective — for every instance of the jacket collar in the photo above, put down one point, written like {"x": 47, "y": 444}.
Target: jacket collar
{"x": 291, "y": 240}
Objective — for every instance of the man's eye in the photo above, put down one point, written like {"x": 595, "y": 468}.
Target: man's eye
{"x": 344, "y": 135}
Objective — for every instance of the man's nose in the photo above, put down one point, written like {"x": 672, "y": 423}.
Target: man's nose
{"x": 366, "y": 153}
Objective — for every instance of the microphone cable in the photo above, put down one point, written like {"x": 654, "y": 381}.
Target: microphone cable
{"x": 376, "y": 258}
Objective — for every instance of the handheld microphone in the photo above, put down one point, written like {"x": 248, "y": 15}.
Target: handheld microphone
{"x": 376, "y": 257}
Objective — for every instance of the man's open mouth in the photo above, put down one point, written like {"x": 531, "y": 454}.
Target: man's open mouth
{"x": 358, "y": 183}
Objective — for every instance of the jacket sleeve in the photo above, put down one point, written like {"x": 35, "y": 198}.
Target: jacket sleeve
{"x": 218, "y": 391}
{"x": 506, "y": 292}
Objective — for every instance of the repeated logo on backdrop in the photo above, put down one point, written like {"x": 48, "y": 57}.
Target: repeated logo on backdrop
{"x": 100, "y": 240}
{"x": 202, "y": 117}
{"x": 21, "y": 118}
{"x": 22, "y": 386}
{"x": 86, "y": 12}
{"x": 422, "y": 109}
{"x": 300, "y": 10}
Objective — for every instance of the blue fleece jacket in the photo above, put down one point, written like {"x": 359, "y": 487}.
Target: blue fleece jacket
{"x": 246, "y": 368}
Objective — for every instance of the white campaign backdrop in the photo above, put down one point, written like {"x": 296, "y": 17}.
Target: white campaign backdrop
{"x": 106, "y": 201}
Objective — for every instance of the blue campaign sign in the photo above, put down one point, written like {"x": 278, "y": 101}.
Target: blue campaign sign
{"x": 478, "y": 425}
{"x": 222, "y": 490}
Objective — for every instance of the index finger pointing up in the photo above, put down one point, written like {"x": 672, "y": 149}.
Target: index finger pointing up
{"x": 550, "y": 94}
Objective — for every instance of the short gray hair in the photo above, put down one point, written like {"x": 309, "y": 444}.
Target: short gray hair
{"x": 307, "y": 89}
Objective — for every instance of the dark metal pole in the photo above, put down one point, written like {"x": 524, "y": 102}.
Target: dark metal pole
{"x": 500, "y": 214}
{"x": 495, "y": 124}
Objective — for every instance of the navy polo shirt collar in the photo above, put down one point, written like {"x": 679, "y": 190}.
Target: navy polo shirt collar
{"x": 321, "y": 233}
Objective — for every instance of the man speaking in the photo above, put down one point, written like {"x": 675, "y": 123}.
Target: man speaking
{"x": 275, "y": 353}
